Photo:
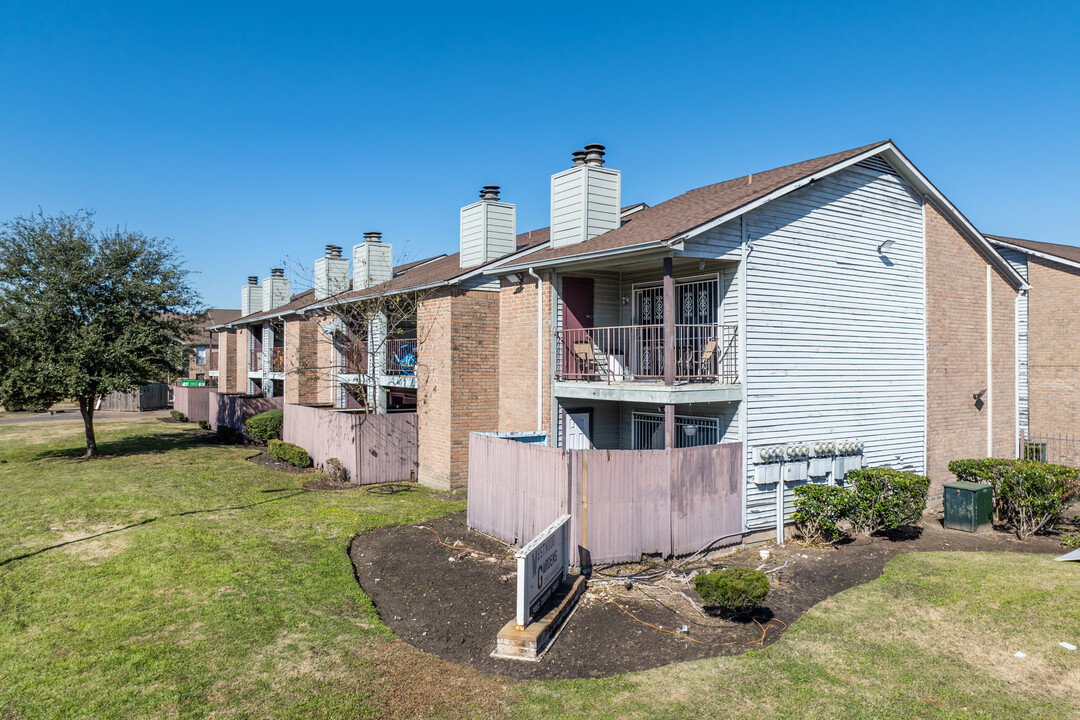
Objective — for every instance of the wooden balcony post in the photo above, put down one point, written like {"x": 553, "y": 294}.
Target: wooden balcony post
{"x": 669, "y": 427}
{"x": 669, "y": 323}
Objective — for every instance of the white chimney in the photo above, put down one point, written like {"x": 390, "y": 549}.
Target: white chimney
{"x": 251, "y": 297}
{"x": 275, "y": 291}
{"x": 586, "y": 199}
{"x": 331, "y": 273}
{"x": 488, "y": 229}
{"x": 373, "y": 261}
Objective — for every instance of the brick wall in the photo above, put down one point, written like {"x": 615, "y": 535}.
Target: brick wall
{"x": 457, "y": 380}
{"x": 1053, "y": 346}
{"x": 302, "y": 371}
{"x": 956, "y": 338}
{"x": 227, "y": 373}
{"x": 325, "y": 359}
{"x": 517, "y": 352}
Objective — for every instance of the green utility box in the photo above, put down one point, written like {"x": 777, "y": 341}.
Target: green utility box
{"x": 968, "y": 506}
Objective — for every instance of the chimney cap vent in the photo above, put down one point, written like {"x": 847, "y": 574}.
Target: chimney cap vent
{"x": 373, "y": 236}
{"x": 489, "y": 192}
{"x": 578, "y": 157}
{"x": 253, "y": 279}
{"x": 333, "y": 251}
{"x": 594, "y": 154}
{"x": 277, "y": 272}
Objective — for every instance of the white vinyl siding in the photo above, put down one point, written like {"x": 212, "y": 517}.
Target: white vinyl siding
{"x": 488, "y": 232}
{"x": 585, "y": 202}
{"x": 1020, "y": 263}
{"x": 835, "y": 342}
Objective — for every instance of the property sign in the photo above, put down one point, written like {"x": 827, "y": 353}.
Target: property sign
{"x": 541, "y": 566}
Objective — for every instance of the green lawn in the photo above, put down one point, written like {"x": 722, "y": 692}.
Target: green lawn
{"x": 195, "y": 584}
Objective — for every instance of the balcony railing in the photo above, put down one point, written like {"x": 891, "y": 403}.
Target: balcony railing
{"x": 213, "y": 359}
{"x": 707, "y": 353}
{"x": 354, "y": 357}
{"x": 401, "y": 356}
{"x": 277, "y": 359}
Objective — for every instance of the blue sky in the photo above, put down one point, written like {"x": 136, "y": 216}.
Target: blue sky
{"x": 253, "y": 134}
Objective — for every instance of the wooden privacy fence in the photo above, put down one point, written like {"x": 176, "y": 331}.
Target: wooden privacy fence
{"x": 149, "y": 397}
{"x": 234, "y": 410}
{"x": 622, "y": 503}
{"x": 194, "y": 402}
{"x": 1057, "y": 448}
{"x": 373, "y": 448}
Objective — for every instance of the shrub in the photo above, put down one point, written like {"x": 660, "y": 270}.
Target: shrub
{"x": 1070, "y": 541}
{"x": 733, "y": 588}
{"x": 886, "y": 499}
{"x": 228, "y": 435}
{"x": 289, "y": 453}
{"x": 1028, "y": 495}
{"x": 336, "y": 472}
{"x": 818, "y": 510}
{"x": 266, "y": 426}
{"x": 178, "y": 416}
{"x": 204, "y": 424}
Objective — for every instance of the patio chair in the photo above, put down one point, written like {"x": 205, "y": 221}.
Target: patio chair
{"x": 708, "y": 353}
{"x": 587, "y": 361}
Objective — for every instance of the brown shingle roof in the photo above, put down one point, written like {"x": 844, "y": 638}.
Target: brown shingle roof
{"x": 669, "y": 219}
{"x": 1066, "y": 252}
{"x": 442, "y": 269}
{"x": 298, "y": 301}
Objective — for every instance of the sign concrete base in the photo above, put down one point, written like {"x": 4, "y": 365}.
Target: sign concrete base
{"x": 531, "y": 642}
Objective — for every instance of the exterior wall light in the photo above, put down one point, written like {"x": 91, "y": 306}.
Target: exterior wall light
{"x": 884, "y": 247}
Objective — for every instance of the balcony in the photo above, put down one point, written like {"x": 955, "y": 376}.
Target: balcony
{"x": 277, "y": 359}
{"x": 213, "y": 360}
{"x": 636, "y": 353}
{"x": 354, "y": 357}
{"x": 401, "y": 356}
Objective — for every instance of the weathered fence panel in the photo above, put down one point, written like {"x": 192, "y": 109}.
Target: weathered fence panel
{"x": 194, "y": 402}
{"x": 706, "y": 497}
{"x": 154, "y": 396}
{"x": 371, "y": 448}
{"x": 622, "y": 503}
{"x": 234, "y": 410}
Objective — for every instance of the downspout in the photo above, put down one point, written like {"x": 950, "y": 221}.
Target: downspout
{"x": 539, "y": 352}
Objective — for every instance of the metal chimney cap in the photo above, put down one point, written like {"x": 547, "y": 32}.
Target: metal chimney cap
{"x": 489, "y": 192}
{"x": 578, "y": 157}
{"x": 277, "y": 272}
{"x": 253, "y": 279}
{"x": 594, "y": 154}
{"x": 373, "y": 236}
{"x": 333, "y": 251}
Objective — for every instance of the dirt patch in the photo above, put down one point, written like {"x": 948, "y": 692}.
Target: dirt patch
{"x": 452, "y": 601}
{"x": 325, "y": 483}
{"x": 264, "y": 459}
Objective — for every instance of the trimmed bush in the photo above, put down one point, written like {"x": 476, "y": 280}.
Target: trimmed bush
{"x": 1029, "y": 495}
{"x": 266, "y": 426}
{"x": 818, "y": 510}
{"x": 178, "y": 416}
{"x": 289, "y": 453}
{"x": 886, "y": 498}
{"x": 228, "y": 435}
{"x": 336, "y": 472}
{"x": 733, "y": 588}
{"x": 204, "y": 424}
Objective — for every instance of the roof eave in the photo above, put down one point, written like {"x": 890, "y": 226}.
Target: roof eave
{"x": 1036, "y": 253}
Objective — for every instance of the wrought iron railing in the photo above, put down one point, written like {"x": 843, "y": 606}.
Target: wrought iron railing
{"x": 213, "y": 359}
{"x": 354, "y": 357}
{"x": 401, "y": 356}
{"x": 277, "y": 359}
{"x": 637, "y": 352}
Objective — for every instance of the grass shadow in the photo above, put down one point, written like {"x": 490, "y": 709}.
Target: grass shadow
{"x": 135, "y": 445}
{"x": 390, "y": 488}
{"x": 147, "y": 521}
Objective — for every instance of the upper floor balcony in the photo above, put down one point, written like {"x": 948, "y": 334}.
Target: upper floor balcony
{"x": 213, "y": 359}
{"x": 401, "y": 356}
{"x": 700, "y": 353}
{"x": 277, "y": 359}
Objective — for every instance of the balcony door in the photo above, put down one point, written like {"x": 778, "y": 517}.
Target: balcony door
{"x": 577, "y": 317}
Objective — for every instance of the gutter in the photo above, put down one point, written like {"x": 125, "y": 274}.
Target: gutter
{"x": 672, "y": 244}
{"x": 539, "y": 351}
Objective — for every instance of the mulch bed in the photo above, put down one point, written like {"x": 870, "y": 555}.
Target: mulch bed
{"x": 451, "y": 601}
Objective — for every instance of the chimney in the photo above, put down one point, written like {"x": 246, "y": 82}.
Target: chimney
{"x": 251, "y": 297}
{"x": 275, "y": 290}
{"x": 331, "y": 273}
{"x": 373, "y": 261}
{"x": 488, "y": 229}
{"x": 586, "y": 199}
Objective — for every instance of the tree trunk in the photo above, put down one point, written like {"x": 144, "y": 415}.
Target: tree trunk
{"x": 86, "y": 407}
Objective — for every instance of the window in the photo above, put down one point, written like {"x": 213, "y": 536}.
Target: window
{"x": 690, "y": 431}
{"x": 200, "y": 376}
{"x": 200, "y": 354}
